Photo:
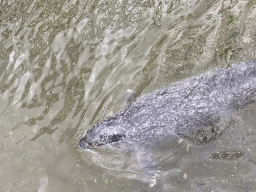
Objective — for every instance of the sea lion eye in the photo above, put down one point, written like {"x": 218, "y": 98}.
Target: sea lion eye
{"x": 104, "y": 139}
{"x": 116, "y": 138}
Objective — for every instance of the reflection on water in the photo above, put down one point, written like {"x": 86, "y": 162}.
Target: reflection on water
{"x": 65, "y": 65}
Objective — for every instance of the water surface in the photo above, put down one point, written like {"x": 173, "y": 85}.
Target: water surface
{"x": 66, "y": 65}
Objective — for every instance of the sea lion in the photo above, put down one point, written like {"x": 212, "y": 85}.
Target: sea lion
{"x": 197, "y": 108}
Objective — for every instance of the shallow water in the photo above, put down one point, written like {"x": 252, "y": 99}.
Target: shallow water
{"x": 66, "y": 65}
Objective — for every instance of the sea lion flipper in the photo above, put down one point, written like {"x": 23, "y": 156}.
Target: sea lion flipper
{"x": 144, "y": 157}
{"x": 212, "y": 132}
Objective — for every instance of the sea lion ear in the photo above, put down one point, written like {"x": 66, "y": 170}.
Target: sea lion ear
{"x": 130, "y": 96}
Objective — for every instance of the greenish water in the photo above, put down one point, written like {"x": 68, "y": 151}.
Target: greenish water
{"x": 66, "y": 65}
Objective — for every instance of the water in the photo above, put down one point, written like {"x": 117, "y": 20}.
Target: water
{"x": 65, "y": 65}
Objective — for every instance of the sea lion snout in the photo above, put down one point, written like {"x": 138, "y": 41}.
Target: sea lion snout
{"x": 83, "y": 143}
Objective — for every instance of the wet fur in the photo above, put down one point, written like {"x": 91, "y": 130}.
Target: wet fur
{"x": 197, "y": 108}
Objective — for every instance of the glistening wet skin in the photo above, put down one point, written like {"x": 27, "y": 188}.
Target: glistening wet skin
{"x": 199, "y": 108}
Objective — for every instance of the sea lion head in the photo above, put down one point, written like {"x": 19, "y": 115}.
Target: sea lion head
{"x": 104, "y": 133}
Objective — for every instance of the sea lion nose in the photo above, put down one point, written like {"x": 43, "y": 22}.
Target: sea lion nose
{"x": 83, "y": 143}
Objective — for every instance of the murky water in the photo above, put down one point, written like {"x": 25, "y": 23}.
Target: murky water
{"x": 65, "y": 65}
